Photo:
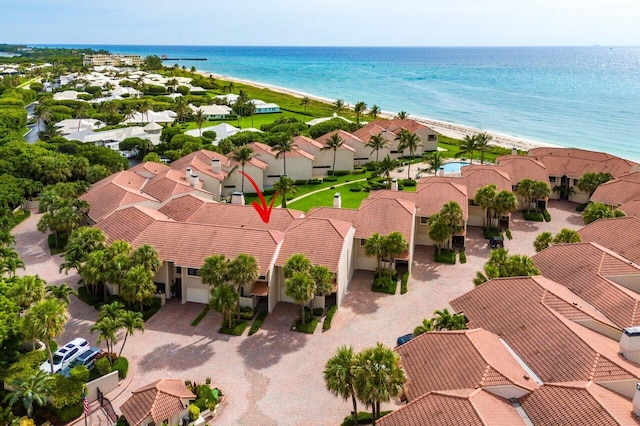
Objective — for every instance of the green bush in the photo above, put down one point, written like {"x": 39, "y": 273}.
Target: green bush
{"x": 122, "y": 421}
{"x": 445, "y": 256}
{"x": 317, "y": 312}
{"x": 546, "y": 215}
{"x": 247, "y": 313}
{"x": 201, "y": 316}
{"x": 359, "y": 171}
{"x": 27, "y": 365}
{"x": 122, "y": 366}
{"x": 581, "y": 207}
{"x": 103, "y": 366}
{"x": 326, "y": 325}
{"x": 65, "y": 391}
{"x": 404, "y": 283}
{"x": 385, "y": 284}
{"x": 298, "y": 182}
{"x": 533, "y": 215}
{"x": 314, "y": 181}
{"x": 491, "y": 232}
{"x": 373, "y": 185}
{"x": 341, "y": 172}
{"x": 194, "y": 412}
{"x": 237, "y": 329}
{"x": 309, "y": 327}
{"x": 80, "y": 373}
{"x": 409, "y": 182}
{"x": 257, "y": 323}
{"x": 364, "y": 418}
{"x": 463, "y": 256}
{"x": 70, "y": 412}
{"x": 88, "y": 298}
{"x": 356, "y": 188}
{"x": 508, "y": 234}
{"x": 271, "y": 191}
{"x": 330, "y": 179}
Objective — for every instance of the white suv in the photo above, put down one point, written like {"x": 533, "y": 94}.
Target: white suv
{"x": 63, "y": 356}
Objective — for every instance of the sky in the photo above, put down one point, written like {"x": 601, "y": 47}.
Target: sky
{"x": 323, "y": 22}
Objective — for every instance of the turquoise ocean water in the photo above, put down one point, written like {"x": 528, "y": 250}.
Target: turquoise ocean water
{"x": 585, "y": 97}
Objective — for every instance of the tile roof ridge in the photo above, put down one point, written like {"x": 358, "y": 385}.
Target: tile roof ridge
{"x": 588, "y": 387}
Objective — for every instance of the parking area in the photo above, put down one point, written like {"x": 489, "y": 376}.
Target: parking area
{"x": 275, "y": 376}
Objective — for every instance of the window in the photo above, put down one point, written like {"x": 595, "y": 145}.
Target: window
{"x": 363, "y": 242}
{"x": 193, "y": 272}
{"x": 552, "y": 179}
{"x": 262, "y": 278}
{"x": 432, "y": 138}
{"x": 575, "y": 182}
{"x": 178, "y": 269}
{"x": 424, "y": 221}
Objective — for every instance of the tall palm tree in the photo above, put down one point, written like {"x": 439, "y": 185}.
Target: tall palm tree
{"x": 250, "y": 110}
{"x": 305, "y": 102}
{"x": 27, "y": 290}
{"x": 452, "y": 214}
{"x": 468, "y": 147}
{"x": 374, "y": 246}
{"x": 138, "y": 285}
{"x": 525, "y": 190}
{"x": 215, "y": 270}
{"x": 31, "y": 390}
{"x": 482, "y": 144}
{"x": 107, "y": 329}
{"x": 9, "y": 261}
{"x": 199, "y": 118}
{"x": 243, "y": 270}
{"x": 281, "y": 148}
{"x": 402, "y": 115}
{"x": 384, "y": 168}
{"x": 242, "y": 154}
{"x": 61, "y": 292}
{"x": 44, "y": 321}
{"x": 443, "y": 320}
{"x": 435, "y": 160}
{"x": 485, "y": 198}
{"x": 505, "y": 202}
{"x": 81, "y": 111}
{"x": 147, "y": 256}
{"x": 300, "y": 287}
{"x": 338, "y": 106}
{"x": 131, "y": 322}
{"x": 81, "y": 243}
{"x": 43, "y": 115}
{"x": 285, "y": 186}
{"x": 94, "y": 270}
{"x": 224, "y": 299}
{"x": 340, "y": 374}
{"x": 410, "y": 141}
{"x": 540, "y": 190}
{"x": 333, "y": 142}
{"x": 359, "y": 108}
{"x": 374, "y": 111}
{"x": 376, "y": 143}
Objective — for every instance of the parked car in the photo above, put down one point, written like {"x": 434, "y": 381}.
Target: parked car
{"x": 63, "y": 356}
{"x": 496, "y": 242}
{"x": 404, "y": 339}
{"x": 86, "y": 358}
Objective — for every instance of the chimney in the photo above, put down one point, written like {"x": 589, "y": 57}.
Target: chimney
{"x": 441, "y": 171}
{"x": 337, "y": 200}
{"x": 394, "y": 184}
{"x": 187, "y": 174}
{"x": 514, "y": 151}
{"x": 630, "y": 344}
{"x": 194, "y": 180}
{"x": 215, "y": 166}
{"x": 237, "y": 197}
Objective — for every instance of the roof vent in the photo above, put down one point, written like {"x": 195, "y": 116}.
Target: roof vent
{"x": 237, "y": 197}
{"x": 630, "y": 344}
{"x": 337, "y": 200}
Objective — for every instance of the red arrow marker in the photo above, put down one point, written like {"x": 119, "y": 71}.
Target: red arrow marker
{"x": 263, "y": 210}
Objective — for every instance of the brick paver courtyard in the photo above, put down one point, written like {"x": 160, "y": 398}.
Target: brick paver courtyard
{"x": 275, "y": 376}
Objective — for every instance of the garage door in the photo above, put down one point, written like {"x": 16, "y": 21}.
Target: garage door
{"x": 197, "y": 295}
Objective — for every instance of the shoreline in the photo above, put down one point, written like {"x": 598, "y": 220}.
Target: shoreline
{"x": 449, "y": 129}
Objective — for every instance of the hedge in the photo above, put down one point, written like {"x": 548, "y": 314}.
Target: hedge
{"x": 237, "y": 329}
{"x": 309, "y": 327}
{"x": 533, "y": 215}
{"x": 385, "y": 285}
{"x": 122, "y": 366}
{"x": 364, "y": 418}
{"x": 27, "y": 365}
{"x": 404, "y": 282}
{"x": 463, "y": 257}
{"x": 70, "y": 412}
{"x": 491, "y": 232}
{"x": 508, "y": 234}
{"x": 246, "y": 313}
{"x": 409, "y": 182}
{"x": 546, "y": 215}
{"x": 257, "y": 323}
{"x": 330, "y": 179}
{"x": 200, "y": 316}
{"x": 445, "y": 256}
{"x": 326, "y": 325}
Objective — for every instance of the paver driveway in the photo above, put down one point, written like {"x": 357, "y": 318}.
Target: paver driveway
{"x": 275, "y": 376}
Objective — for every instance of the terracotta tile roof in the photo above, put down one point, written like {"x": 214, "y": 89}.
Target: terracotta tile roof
{"x": 349, "y": 138}
{"x": 181, "y": 208}
{"x": 576, "y": 162}
{"x": 379, "y": 215}
{"x": 149, "y": 169}
{"x": 474, "y": 179}
{"x": 266, "y": 151}
{"x": 243, "y": 216}
{"x": 468, "y": 359}
{"x": 446, "y": 409}
{"x": 582, "y": 268}
{"x": 200, "y": 162}
{"x": 515, "y": 309}
{"x": 631, "y": 208}
{"x": 618, "y": 191}
{"x": 590, "y": 404}
{"x": 620, "y": 235}
{"x": 169, "y": 183}
{"x": 128, "y": 223}
{"x": 304, "y": 143}
{"x": 260, "y": 288}
{"x": 304, "y": 235}
{"x": 430, "y": 195}
{"x": 160, "y": 400}
{"x": 518, "y": 168}
{"x": 371, "y": 129}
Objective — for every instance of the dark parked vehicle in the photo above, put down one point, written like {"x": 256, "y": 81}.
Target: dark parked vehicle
{"x": 404, "y": 339}
{"x": 496, "y": 242}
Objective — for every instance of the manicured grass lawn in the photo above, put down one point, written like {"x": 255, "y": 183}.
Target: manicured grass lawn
{"x": 246, "y": 122}
{"x": 350, "y": 200}
{"x": 453, "y": 147}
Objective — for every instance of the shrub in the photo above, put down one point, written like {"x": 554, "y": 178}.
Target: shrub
{"x": 246, "y": 313}
{"x": 103, "y": 366}
{"x": 404, "y": 282}
{"x": 359, "y": 171}
{"x": 326, "y": 325}
{"x": 546, "y": 215}
{"x": 364, "y": 418}
{"x": 409, "y": 182}
{"x": 194, "y": 412}
{"x": 200, "y": 316}
{"x": 356, "y": 188}
{"x": 341, "y": 172}
{"x": 70, "y": 412}
{"x": 371, "y": 166}
{"x": 463, "y": 256}
{"x": 330, "y": 179}
{"x": 314, "y": 181}
{"x": 27, "y": 365}
{"x": 65, "y": 391}
{"x": 491, "y": 232}
{"x": 533, "y": 215}
{"x": 384, "y": 284}
{"x": 373, "y": 185}
{"x": 237, "y": 329}
{"x": 317, "y": 312}
{"x": 257, "y": 323}
{"x": 122, "y": 421}
{"x": 272, "y": 191}
{"x": 309, "y": 327}
{"x": 80, "y": 373}
{"x": 508, "y": 234}
{"x": 581, "y": 207}
{"x": 299, "y": 182}
{"x": 122, "y": 365}
{"x": 445, "y": 256}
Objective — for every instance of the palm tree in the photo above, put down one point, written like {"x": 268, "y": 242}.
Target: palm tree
{"x": 338, "y": 106}
{"x": 402, "y": 115}
{"x": 435, "y": 160}
{"x": 215, "y": 270}
{"x": 49, "y": 132}
{"x": 250, "y": 110}
{"x": 379, "y": 377}
{"x": 525, "y": 190}
{"x": 485, "y": 198}
{"x": 384, "y": 168}
{"x": 565, "y": 236}
{"x": 374, "y": 246}
{"x": 243, "y": 270}
{"x": 359, "y": 108}
{"x": 81, "y": 111}
{"x": 300, "y": 287}
{"x": 452, "y": 214}
{"x": 43, "y": 114}
{"x": 285, "y": 186}
{"x": 410, "y": 141}
{"x": 539, "y": 191}
{"x": 61, "y": 292}
{"x": 425, "y": 327}
{"x": 9, "y": 261}
{"x": 376, "y": 143}
{"x": 374, "y": 111}
{"x": 138, "y": 285}
{"x": 505, "y": 203}
{"x": 224, "y": 299}
{"x": 305, "y": 102}
{"x": 443, "y": 320}
{"x": 393, "y": 245}
{"x": 340, "y": 374}
{"x": 146, "y": 256}
{"x": 131, "y": 322}
{"x": 333, "y": 142}
{"x": 543, "y": 241}
{"x": 468, "y": 147}
{"x": 32, "y": 390}
{"x": 82, "y": 242}
{"x": 243, "y": 154}
{"x": 27, "y": 290}
{"x": 107, "y": 329}
{"x": 199, "y": 118}
{"x": 281, "y": 148}
{"x": 439, "y": 230}
{"x": 482, "y": 144}
{"x": 44, "y": 321}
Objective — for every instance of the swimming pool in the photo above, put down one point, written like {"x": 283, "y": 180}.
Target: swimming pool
{"x": 454, "y": 166}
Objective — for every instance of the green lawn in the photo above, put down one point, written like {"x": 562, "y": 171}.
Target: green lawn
{"x": 350, "y": 200}
{"x": 246, "y": 122}
{"x": 453, "y": 147}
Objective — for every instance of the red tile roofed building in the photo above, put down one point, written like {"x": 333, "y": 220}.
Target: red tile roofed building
{"x": 620, "y": 235}
{"x": 208, "y": 166}
{"x": 428, "y": 137}
{"x": 591, "y": 271}
{"x": 323, "y": 158}
{"x": 173, "y": 182}
{"x": 363, "y": 135}
{"x": 149, "y": 169}
{"x": 299, "y": 163}
{"x": 163, "y": 401}
{"x": 375, "y": 215}
{"x": 631, "y": 208}
{"x": 618, "y": 191}
{"x": 567, "y": 165}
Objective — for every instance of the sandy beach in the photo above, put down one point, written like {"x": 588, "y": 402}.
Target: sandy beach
{"x": 445, "y": 128}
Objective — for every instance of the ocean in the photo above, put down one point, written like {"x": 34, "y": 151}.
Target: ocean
{"x": 583, "y": 97}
